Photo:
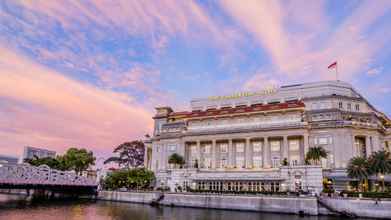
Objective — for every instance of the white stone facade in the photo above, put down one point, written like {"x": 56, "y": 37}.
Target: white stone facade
{"x": 244, "y": 138}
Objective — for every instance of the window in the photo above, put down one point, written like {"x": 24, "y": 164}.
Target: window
{"x": 340, "y": 105}
{"x": 207, "y": 163}
{"x": 193, "y": 150}
{"x": 323, "y": 140}
{"x": 294, "y": 145}
{"x": 357, "y": 107}
{"x": 223, "y": 163}
{"x": 239, "y": 147}
{"x": 275, "y": 145}
{"x": 257, "y": 146}
{"x": 294, "y": 160}
{"x": 240, "y": 162}
{"x": 172, "y": 147}
{"x": 257, "y": 160}
{"x": 206, "y": 149}
{"x": 224, "y": 148}
{"x": 275, "y": 162}
{"x": 349, "y": 106}
{"x": 330, "y": 160}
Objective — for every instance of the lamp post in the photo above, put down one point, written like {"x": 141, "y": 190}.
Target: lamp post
{"x": 382, "y": 181}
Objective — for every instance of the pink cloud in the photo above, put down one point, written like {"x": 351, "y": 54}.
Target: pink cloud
{"x": 302, "y": 42}
{"x": 148, "y": 18}
{"x": 45, "y": 108}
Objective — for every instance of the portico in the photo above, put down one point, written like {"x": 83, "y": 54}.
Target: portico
{"x": 245, "y": 153}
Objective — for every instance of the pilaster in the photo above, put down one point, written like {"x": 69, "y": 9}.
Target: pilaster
{"x": 214, "y": 154}
{"x": 249, "y": 153}
{"x": 368, "y": 145}
{"x": 306, "y": 148}
{"x": 266, "y": 153}
{"x": 285, "y": 148}
{"x": 230, "y": 153}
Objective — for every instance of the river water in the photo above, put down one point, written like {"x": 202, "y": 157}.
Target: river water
{"x": 13, "y": 208}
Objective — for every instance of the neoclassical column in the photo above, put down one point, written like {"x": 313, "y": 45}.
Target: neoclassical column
{"x": 266, "y": 153}
{"x": 230, "y": 153}
{"x": 368, "y": 145}
{"x": 199, "y": 153}
{"x": 214, "y": 154}
{"x": 249, "y": 152}
{"x": 165, "y": 157}
{"x": 285, "y": 148}
{"x": 376, "y": 143}
{"x": 146, "y": 161}
{"x": 187, "y": 154}
{"x": 306, "y": 147}
{"x": 355, "y": 149}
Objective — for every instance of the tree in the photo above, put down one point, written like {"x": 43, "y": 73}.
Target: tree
{"x": 176, "y": 159}
{"x": 78, "y": 160}
{"x": 285, "y": 162}
{"x": 380, "y": 164}
{"x": 315, "y": 154}
{"x": 138, "y": 178}
{"x": 54, "y": 163}
{"x": 131, "y": 154}
{"x": 358, "y": 168}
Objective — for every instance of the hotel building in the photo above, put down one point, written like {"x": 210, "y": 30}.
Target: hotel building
{"x": 258, "y": 140}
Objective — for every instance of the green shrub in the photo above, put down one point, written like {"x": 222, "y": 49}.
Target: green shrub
{"x": 138, "y": 178}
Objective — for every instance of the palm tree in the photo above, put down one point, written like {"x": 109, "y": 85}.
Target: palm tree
{"x": 176, "y": 159}
{"x": 358, "y": 168}
{"x": 315, "y": 154}
{"x": 380, "y": 164}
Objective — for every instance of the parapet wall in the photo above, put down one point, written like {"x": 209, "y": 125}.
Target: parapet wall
{"x": 289, "y": 205}
{"x": 292, "y": 205}
{"x": 360, "y": 207}
{"x": 136, "y": 197}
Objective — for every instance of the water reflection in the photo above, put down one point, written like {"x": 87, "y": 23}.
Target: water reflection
{"x": 72, "y": 210}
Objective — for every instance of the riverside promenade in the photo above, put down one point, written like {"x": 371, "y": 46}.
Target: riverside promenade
{"x": 308, "y": 205}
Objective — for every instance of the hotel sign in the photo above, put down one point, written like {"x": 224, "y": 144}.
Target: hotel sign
{"x": 266, "y": 91}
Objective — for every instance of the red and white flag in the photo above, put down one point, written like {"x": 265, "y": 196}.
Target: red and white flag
{"x": 333, "y": 65}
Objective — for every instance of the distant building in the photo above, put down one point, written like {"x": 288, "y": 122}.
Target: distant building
{"x": 30, "y": 152}
{"x": 8, "y": 160}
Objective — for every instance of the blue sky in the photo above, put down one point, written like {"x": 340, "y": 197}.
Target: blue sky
{"x": 89, "y": 73}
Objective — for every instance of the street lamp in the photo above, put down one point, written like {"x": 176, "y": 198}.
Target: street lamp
{"x": 382, "y": 181}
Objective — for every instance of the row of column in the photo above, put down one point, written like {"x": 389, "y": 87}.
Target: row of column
{"x": 248, "y": 152}
{"x": 371, "y": 145}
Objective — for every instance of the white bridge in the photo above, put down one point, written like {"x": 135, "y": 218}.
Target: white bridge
{"x": 26, "y": 176}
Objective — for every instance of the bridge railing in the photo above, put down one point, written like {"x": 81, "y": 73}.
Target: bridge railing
{"x": 43, "y": 175}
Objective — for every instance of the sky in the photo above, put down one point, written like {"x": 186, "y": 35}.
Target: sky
{"x": 89, "y": 73}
